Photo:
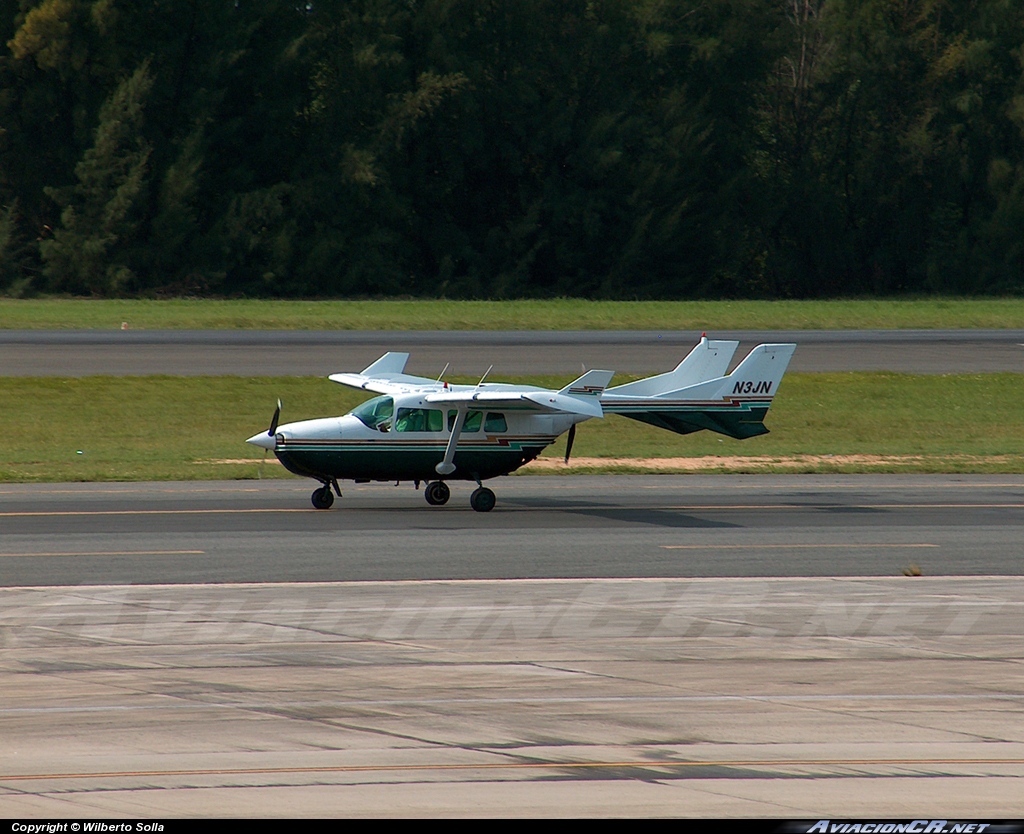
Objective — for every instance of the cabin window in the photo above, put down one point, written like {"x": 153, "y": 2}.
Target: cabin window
{"x": 473, "y": 420}
{"x": 419, "y": 419}
{"x": 375, "y": 413}
{"x": 495, "y": 422}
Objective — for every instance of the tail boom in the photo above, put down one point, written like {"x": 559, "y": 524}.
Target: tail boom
{"x": 733, "y": 405}
{"x": 738, "y": 417}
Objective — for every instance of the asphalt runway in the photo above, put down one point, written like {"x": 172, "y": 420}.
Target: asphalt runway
{"x": 542, "y": 528}
{"x": 311, "y": 353}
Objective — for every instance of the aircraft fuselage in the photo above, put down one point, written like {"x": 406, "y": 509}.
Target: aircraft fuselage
{"x": 404, "y": 439}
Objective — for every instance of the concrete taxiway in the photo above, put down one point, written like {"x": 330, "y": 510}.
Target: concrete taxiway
{"x": 787, "y": 698}
{"x": 690, "y": 646}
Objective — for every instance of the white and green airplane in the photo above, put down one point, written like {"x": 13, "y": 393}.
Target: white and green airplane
{"x": 426, "y": 430}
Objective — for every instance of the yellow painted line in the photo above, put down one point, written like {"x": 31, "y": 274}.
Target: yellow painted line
{"x": 782, "y": 546}
{"x": 114, "y": 553}
{"x": 813, "y": 506}
{"x": 50, "y": 513}
{"x": 843, "y": 486}
{"x": 92, "y": 489}
{"x": 658, "y": 765}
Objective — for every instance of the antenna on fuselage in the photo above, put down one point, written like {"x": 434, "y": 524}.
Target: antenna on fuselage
{"x": 446, "y": 366}
{"x": 481, "y": 382}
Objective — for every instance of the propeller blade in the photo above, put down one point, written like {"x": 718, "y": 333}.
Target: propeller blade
{"x": 568, "y": 445}
{"x": 273, "y": 420}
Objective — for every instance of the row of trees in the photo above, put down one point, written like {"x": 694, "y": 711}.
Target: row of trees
{"x": 499, "y": 148}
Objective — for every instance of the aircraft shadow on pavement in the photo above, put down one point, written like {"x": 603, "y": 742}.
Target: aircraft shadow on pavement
{"x": 847, "y": 509}
{"x": 629, "y": 515}
{"x": 663, "y": 770}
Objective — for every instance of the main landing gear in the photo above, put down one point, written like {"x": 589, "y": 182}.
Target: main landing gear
{"x": 482, "y": 500}
{"x": 437, "y": 493}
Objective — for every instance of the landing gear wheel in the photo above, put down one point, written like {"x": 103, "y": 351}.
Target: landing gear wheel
{"x": 322, "y": 498}
{"x": 482, "y": 500}
{"x": 437, "y": 493}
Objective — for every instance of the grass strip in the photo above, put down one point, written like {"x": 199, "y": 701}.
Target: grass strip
{"x": 555, "y": 314}
{"x": 175, "y": 428}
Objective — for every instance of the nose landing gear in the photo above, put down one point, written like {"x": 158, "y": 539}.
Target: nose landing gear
{"x": 323, "y": 498}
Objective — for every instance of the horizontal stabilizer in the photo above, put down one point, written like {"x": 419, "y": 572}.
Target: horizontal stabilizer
{"x": 591, "y": 384}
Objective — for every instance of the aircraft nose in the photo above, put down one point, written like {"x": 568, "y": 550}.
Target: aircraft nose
{"x": 263, "y": 440}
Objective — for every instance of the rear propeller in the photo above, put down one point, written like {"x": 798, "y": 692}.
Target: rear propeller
{"x": 569, "y": 442}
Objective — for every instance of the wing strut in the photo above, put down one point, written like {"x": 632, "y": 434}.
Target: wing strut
{"x": 446, "y": 466}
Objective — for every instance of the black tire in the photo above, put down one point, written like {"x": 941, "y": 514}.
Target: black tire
{"x": 322, "y": 498}
{"x": 437, "y": 493}
{"x": 482, "y": 500}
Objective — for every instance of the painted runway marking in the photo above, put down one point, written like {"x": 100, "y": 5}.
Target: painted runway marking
{"x": 112, "y": 553}
{"x": 573, "y": 765}
{"x": 818, "y": 506}
{"x": 833, "y": 486}
{"x": 783, "y": 546}
{"x": 190, "y": 491}
{"x": 50, "y": 513}
{"x": 595, "y": 506}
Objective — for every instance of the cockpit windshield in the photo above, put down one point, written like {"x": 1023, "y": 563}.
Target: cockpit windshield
{"x": 373, "y": 413}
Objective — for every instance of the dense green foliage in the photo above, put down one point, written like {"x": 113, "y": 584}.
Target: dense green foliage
{"x": 488, "y": 148}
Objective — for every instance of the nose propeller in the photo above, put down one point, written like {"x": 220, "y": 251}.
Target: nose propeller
{"x": 273, "y": 420}
{"x": 267, "y": 440}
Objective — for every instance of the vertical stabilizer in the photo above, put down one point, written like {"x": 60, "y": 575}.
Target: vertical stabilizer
{"x": 708, "y": 360}
{"x": 392, "y": 362}
{"x": 759, "y": 374}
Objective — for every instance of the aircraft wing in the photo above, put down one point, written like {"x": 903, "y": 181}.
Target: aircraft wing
{"x": 582, "y": 396}
{"x": 528, "y": 400}
{"x": 386, "y": 376}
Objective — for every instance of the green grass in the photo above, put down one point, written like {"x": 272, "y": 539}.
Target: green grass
{"x": 559, "y": 314}
{"x": 169, "y": 428}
